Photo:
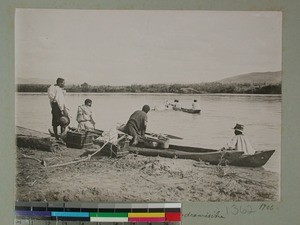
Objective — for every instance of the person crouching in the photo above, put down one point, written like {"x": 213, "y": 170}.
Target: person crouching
{"x": 137, "y": 124}
{"x": 85, "y": 116}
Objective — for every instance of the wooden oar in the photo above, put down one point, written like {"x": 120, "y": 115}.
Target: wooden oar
{"x": 167, "y": 135}
{"x": 120, "y": 128}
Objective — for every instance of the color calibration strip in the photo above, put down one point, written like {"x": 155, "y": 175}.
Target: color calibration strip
{"x": 100, "y": 212}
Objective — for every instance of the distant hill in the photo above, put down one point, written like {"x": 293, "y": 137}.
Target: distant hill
{"x": 33, "y": 81}
{"x": 254, "y": 78}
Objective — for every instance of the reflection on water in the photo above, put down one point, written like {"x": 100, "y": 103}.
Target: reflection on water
{"x": 260, "y": 114}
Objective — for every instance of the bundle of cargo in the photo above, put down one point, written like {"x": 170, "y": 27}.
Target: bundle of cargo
{"x": 79, "y": 139}
{"x": 159, "y": 142}
{"x": 114, "y": 149}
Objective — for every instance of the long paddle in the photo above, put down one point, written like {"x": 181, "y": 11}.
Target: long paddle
{"x": 121, "y": 128}
{"x": 167, "y": 135}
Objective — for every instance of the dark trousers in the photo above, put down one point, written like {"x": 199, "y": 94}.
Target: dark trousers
{"x": 56, "y": 114}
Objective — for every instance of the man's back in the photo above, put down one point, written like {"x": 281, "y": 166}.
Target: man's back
{"x": 56, "y": 95}
{"x": 138, "y": 118}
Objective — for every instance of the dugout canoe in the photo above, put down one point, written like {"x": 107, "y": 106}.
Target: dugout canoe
{"x": 212, "y": 156}
{"x": 192, "y": 111}
{"x": 186, "y": 110}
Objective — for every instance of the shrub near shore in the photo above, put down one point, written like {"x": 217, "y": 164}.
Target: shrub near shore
{"x": 212, "y": 87}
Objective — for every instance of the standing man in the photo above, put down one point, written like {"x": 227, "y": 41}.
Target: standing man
{"x": 57, "y": 101}
{"x": 137, "y": 123}
{"x": 85, "y": 116}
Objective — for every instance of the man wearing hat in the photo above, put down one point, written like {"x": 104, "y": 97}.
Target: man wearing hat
{"x": 240, "y": 142}
{"x": 137, "y": 123}
{"x": 57, "y": 101}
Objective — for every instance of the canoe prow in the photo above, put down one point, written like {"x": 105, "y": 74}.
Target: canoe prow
{"x": 214, "y": 158}
{"x": 258, "y": 159}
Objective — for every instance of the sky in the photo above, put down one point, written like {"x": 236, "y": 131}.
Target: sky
{"x": 123, "y": 47}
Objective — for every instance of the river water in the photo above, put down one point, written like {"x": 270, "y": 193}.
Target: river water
{"x": 260, "y": 114}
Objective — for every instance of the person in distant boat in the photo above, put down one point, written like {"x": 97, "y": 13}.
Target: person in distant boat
{"x": 137, "y": 124}
{"x": 240, "y": 142}
{"x": 59, "y": 112}
{"x": 176, "y": 104}
{"x": 164, "y": 106}
{"x": 195, "y": 105}
{"x": 85, "y": 116}
{"x": 167, "y": 105}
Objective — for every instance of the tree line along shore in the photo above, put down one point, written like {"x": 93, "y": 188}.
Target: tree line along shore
{"x": 211, "y": 87}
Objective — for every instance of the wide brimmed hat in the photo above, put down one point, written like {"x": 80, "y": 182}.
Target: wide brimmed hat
{"x": 239, "y": 127}
{"x": 64, "y": 121}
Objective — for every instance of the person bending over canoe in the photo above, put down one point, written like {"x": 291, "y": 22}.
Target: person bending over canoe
{"x": 59, "y": 112}
{"x": 137, "y": 123}
{"x": 85, "y": 116}
{"x": 240, "y": 142}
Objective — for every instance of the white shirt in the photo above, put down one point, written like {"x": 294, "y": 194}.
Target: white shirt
{"x": 56, "y": 94}
{"x": 241, "y": 143}
{"x": 195, "y": 105}
{"x": 84, "y": 113}
{"x": 84, "y": 118}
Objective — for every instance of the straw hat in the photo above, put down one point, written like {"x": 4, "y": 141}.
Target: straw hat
{"x": 64, "y": 121}
{"x": 239, "y": 127}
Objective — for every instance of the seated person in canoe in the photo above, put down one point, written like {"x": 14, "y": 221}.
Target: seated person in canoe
{"x": 240, "y": 142}
{"x": 85, "y": 116}
{"x": 176, "y": 105}
{"x": 195, "y": 105}
{"x": 168, "y": 105}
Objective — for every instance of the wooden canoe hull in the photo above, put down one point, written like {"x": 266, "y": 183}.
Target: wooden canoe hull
{"x": 215, "y": 158}
{"x": 190, "y": 149}
{"x": 258, "y": 159}
{"x": 176, "y": 108}
{"x": 212, "y": 156}
{"x": 192, "y": 111}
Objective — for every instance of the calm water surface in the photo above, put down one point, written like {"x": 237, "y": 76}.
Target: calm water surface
{"x": 260, "y": 114}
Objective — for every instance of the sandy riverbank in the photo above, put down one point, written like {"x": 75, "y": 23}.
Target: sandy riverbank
{"x": 134, "y": 178}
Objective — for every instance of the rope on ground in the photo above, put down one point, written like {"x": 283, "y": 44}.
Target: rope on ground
{"x": 42, "y": 162}
{"x": 81, "y": 160}
{"x": 88, "y": 157}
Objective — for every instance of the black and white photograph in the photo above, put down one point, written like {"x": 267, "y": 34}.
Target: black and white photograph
{"x": 148, "y": 105}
